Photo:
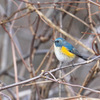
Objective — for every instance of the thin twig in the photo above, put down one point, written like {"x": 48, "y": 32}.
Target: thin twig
{"x": 32, "y": 54}
{"x": 60, "y": 75}
{"x": 16, "y": 47}
{"x": 44, "y": 3}
{"x": 73, "y": 85}
{"x": 14, "y": 55}
{"x": 90, "y": 20}
{"x": 2, "y": 94}
{"x": 43, "y": 60}
{"x": 51, "y": 71}
{"x": 51, "y": 24}
{"x": 21, "y": 83}
{"x": 89, "y": 77}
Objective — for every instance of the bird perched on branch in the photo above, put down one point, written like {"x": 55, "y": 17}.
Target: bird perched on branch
{"x": 65, "y": 52}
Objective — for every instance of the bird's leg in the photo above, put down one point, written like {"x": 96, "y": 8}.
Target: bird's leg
{"x": 73, "y": 64}
{"x": 60, "y": 64}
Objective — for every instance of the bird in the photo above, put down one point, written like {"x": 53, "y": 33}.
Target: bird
{"x": 66, "y": 52}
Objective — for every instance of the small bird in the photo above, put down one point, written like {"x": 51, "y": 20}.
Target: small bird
{"x": 64, "y": 51}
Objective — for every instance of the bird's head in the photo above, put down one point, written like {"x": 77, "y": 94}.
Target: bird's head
{"x": 59, "y": 42}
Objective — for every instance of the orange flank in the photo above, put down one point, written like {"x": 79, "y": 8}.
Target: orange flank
{"x": 65, "y": 51}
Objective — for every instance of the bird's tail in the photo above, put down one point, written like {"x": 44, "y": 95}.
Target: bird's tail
{"x": 83, "y": 57}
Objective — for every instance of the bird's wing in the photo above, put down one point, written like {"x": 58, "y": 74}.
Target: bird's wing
{"x": 70, "y": 51}
{"x": 75, "y": 51}
{"x": 65, "y": 51}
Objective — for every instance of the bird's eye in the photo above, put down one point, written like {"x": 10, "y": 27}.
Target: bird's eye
{"x": 57, "y": 41}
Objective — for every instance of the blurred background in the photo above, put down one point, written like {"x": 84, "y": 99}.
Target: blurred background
{"x": 24, "y": 33}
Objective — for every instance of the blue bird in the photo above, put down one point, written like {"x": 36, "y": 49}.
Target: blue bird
{"x": 65, "y": 52}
